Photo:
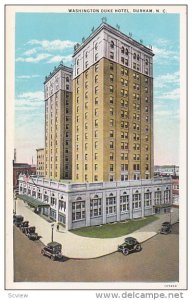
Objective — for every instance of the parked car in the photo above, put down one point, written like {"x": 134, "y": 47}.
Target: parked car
{"x": 53, "y": 251}
{"x": 24, "y": 225}
{"x": 166, "y": 228}
{"x": 30, "y": 233}
{"x": 130, "y": 245}
{"x": 17, "y": 220}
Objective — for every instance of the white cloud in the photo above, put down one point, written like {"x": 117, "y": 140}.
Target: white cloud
{"x": 164, "y": 55}
{"x": 29, "y": 101}
{"x": 170, "y": 95}
{"x": 53, "y": 45}
{"x": 36, "y": 59}
{"x": 27, "y": 76}
{"x": 32, "y": 95}
{"x": 58, "y": 58}
{"x": 166, "y": 80}
{"x": 162, "y": 42}
{"x": 30, "y": 52}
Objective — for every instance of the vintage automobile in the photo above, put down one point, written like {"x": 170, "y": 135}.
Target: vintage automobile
{"x": 30, "y": 233}
{"x": 166, "y": 228}
{"x": 53, "y": 251}
{"x": 17, "y": 220}
{"x": 24, "y": 225}
{"x": 130, "y": 245}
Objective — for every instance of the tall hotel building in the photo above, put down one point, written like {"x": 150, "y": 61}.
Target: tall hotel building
{"x": 58, "y": 123}
{"x": 112, "y": 108}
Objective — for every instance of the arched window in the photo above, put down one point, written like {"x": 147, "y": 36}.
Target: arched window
{"x": 122, "y": 50}
{"x": 112, "y": 44}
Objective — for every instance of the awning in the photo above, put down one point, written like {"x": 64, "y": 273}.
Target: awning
{"x": 33, "y": 202}
{"x": 165, "y": 205}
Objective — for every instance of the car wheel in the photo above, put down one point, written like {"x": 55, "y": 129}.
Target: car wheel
{"x": 52, "y": 257}
{"x": 125, "y": 251}
{"x": 138, "y": 248}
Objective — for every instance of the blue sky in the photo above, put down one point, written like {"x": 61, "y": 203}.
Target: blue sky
{"x": 44, "y": 39}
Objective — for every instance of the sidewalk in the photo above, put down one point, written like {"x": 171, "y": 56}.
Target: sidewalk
{"x": 74, "y": 246}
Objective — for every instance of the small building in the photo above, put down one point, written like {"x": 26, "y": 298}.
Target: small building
{"x": 78, "y": 205}
{"x": 40, "y": 162}
{"x": 21, "y": 168}
{"x": 175, "y": 189}
{"x": 166, "y": 170}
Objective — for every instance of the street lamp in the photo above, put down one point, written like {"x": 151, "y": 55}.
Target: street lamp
{"x": 170, "y": 214}
{"x": 52, "y": 227}
{"x": 15, "y": 198}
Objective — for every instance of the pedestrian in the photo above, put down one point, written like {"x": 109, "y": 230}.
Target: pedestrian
{"x": 57, "y": 227}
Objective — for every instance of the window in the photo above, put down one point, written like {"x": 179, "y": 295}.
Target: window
{"x": 111, "y": 156}
{"x": 147, "y": 198}
{"x": 124, "y": 202}
{"x": 96, "y": 145}
{"x": 157, "y": 198}
{"x": 96, "y": 56}
{"x": 96, "y": 101}
{"x": 96, "y": 112}
{"x": 111, "y": 205}
{"x": 96, "y": 90}
{"x": 96, "y": 156}
{"x": 111, "y": 78}
{"x": 122, "y": 60}
{"x": 126, "y": 62}
{"x": 96, "y": 167}
{"x": 111, "y": 168}
{"x": 138, "y": 57}
{"x": 111, "y": 100}
{"x": 112, "y": 44}
{"x": 96, "y": 67}
{"x": 111, "y": 133}
{"x": 96, "y": 46}
{"x": 111, "y": 55}
{"x": 134, "y": 55}
{"x": 96, "y": 133}
{"x": 86, "y": 64}
{"x": 136, "y": 202}
{"x": 136, "y": 167}
{"x": 111, "y": 144}
{"x": 85, "y": 167}
{"x": 122, "y": 50}
{"x": 78, "y": 210}
{"x": 95, "y": 206}
{"x": 111, "y": 89}
{"x": 96, "y": 123}
{"x": 86, "y": 156}
{"x": 111, "y": 66}
{"x": 166, "y": 196}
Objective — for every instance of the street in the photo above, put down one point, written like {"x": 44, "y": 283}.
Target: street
{"x": 157, "y": 262}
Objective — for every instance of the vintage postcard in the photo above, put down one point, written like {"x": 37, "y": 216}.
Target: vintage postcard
{"x": 96, "y": 147}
